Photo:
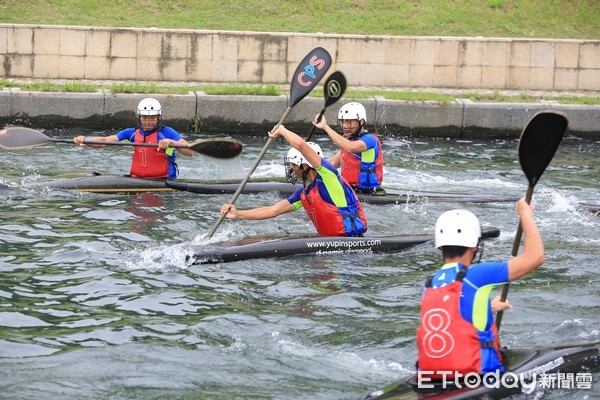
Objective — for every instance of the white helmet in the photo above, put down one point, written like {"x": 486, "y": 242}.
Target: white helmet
{"x": 457, "y": 228}
{"x": 295, "y": 157}
{"x": 353, "y": 110}
{"x": 149, "y": 106}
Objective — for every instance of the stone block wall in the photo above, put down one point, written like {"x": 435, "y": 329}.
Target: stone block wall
{"x": 136, "y": 54}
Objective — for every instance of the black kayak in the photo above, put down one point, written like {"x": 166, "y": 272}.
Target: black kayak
{"x": 273, "y": 246}
{"x": 575, "y": 361}
{"x": 382, "y": 196}
{"x": 99, "y": 183}
{"x": 111, "y": 184}
{"x": 104, "y": 184}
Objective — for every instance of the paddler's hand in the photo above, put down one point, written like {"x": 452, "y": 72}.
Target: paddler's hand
{"x": 79, "y": 140}
{"x": 277, "y": 131}
{"x": 498, "y": 305}
{"x": 229, "y": 210}
{"x": 322, "y": 124}
{"x": 523, "y": 208}
{"x": 164, "y": 144}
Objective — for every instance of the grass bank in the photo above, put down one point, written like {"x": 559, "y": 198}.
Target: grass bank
{"x": 275, "y": 90}
{"x": 569, "y": 19}
{"x": 566, "y": 19}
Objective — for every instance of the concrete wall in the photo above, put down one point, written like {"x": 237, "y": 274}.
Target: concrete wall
{"x": 75, "y": 52}
{"x": 246, "y": 115}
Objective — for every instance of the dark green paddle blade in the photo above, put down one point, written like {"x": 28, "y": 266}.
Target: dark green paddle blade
{"x": 20, "y": 137}
{"x": 218, "y": 147}
{"x": 539, "y": 141}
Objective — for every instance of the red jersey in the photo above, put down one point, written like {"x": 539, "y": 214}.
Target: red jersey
{"x": 363, "y": 170}
{"x": 445, "y": 340}
{"x": 148, "y": 162}
{"x": 330, "y": 220}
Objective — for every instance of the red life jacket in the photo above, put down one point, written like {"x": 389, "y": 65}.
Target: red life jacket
{"x": 359, "y": 173}
{"x": 329, "y": 220}
{"x": 148, "y": 162}
{"x": 445, "y": 340}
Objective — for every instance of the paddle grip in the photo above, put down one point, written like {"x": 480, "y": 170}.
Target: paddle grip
{"x": 314, "y": 128}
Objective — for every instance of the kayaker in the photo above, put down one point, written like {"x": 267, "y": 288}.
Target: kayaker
{"x": 329, "y": 202}
{"x": 361, "y": 156}
{"x": 457, "y": 331}
{"x": 149, "y": 162}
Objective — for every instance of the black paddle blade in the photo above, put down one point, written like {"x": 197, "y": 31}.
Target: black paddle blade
{"x": 334, "y": 87}
{"x": 539, "y": 141}
{"x": 309, "y": 72}
{"x": 218, "y": 147}
{"x": 333, "y": 90}
{"x": 19, "y": 137}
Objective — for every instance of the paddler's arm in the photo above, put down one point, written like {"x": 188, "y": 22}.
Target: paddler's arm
{"x": 351, "y": 146}
{"x": 533, "y": 246}
{"x": 80, "y": 140}
{"x": 298, "y": 143}
{"x": 266, "y": 212}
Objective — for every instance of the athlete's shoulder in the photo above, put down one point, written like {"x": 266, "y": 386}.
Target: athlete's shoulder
{"x": 488, "y": 265}
{"x": 170, "y": 133}
{"x": 369, "y": 138}
{"x": 488, "y": 272}
{"x": 126, "y": 133}
{"x": 296, "y": 195}
{"x": 327, "y": 166}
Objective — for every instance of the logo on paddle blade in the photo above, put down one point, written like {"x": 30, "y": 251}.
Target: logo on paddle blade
{"x": 306, "y": 77}
{"x": 333, "y": 89}
{"x": 308, "y": 73}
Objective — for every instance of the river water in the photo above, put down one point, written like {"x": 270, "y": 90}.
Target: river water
{"x": 97, "y": 300}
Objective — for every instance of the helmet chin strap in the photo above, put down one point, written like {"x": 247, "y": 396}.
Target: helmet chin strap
{"x": 359, "y": 129}
{"x": 305, "y": 175}
{"x": 478, "y": 251}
